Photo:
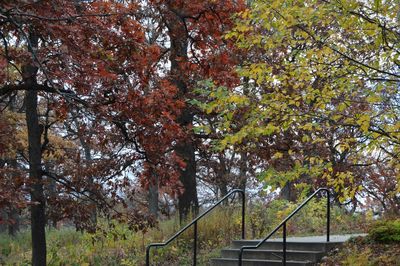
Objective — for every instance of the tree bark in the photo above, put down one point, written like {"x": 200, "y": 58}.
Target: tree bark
{"x": 243, "y": 172}
{"x": 221, "y": 177}
{"x": 51, "y": 189}
{"x": 188, "y": 201}
{"x": 153, "y": 197}
{"x": 3, "y": 216}
{"x": 14, "y": 212}
{"x": 13, "y": 227}
{"x": 287, "y": 192}
{"x": 38, "y": 217}
{"x": 88, "y": 159}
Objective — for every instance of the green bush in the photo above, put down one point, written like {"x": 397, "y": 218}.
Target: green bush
{"x": 386, "y": 231}
{"x": 362, "y": 251}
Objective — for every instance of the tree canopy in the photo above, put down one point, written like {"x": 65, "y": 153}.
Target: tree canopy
{"x": 322, "y": 94}
{"x": 103, "y": 101}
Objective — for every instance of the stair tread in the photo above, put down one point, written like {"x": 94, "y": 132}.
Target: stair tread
{"x": 309, "y": 239}
{"x": 291, "y": 241}
{"x": 300, "y": 251}
{"x": 273, "y": 250}
{"x": 261, "y": 260}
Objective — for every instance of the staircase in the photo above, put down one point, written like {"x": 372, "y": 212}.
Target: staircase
{"x": 266, "y": 251}
{"x": 299, "y": 251}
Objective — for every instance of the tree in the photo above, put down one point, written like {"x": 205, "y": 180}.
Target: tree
{"x": 324, "y": 90}
{"x": 190, "y": 33}
{"x": 89, "y": 61}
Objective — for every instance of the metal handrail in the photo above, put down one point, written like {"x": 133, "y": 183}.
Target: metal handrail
{"x": 283, "y": 224}
{"x": 194, "y": 222}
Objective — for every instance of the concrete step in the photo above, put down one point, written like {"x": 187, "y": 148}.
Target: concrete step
{"x": 300, "y": 251}
{"x": 264, "y": 254}
{"x": 256, "y": 262}
{"x": 290, "y": 245}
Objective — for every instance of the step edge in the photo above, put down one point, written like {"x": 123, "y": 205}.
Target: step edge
{"x": 261, "y": 260}
{"x": 294, "y": 242}
{"x": 274, "y": 250}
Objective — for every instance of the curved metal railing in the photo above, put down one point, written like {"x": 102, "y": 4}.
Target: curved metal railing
{"x": 283, "y": 224}
{"x": 194, "y": 223}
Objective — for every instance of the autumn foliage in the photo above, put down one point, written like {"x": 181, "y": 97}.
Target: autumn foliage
{"x": 103, "y": 103}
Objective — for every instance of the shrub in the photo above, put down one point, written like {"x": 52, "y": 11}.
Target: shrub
{"x": 386, "y": 231}
{"x": 361, "y": 251}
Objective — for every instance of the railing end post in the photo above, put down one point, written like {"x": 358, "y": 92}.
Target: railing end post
{"x": 328, "y": 215}
{"x": 240, "y": 257}
{"x": 148, "y": 255}
{"x": 243, "y": 214}
{"x": 195, "y": 244}
{"x": 284, "y": 244}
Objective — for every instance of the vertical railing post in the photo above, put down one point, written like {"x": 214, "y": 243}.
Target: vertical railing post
{"x": 148, "y": 256}
{"x": 284, "y": 244}
{"x": 243, "y": 214}
{"x": 195, "y": 244}
{"x": 328, "y": 215}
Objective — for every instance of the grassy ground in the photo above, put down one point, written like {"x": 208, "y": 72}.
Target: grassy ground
{"x": 362, "y": 252}
{"x": 380, "y": 247}
{"x": 115, "y": 244}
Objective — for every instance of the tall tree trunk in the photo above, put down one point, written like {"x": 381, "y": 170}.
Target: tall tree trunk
{"x": 88, "y": 159}
{"x": 14, "y": 213}
{"x": 287, "y": 192}
{"x": 3, "y": 216}
{"x": 243, "y": 171}
{"x": 244, "y": 156}
{"x": 14, "y": 216}
{"x": 38, "y": 217}
{"x": 51, "y": 189}
{"x": 153, "y": 196}
{"x": 221, "y": 177}
{"x": 223, "y": 189}
{"x": 188, "y": 201}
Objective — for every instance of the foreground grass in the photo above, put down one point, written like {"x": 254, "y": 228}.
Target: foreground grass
{"x": 362, "y": 252}
{"x": 115, "y": 244}
{"x": 380, "y": 247}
